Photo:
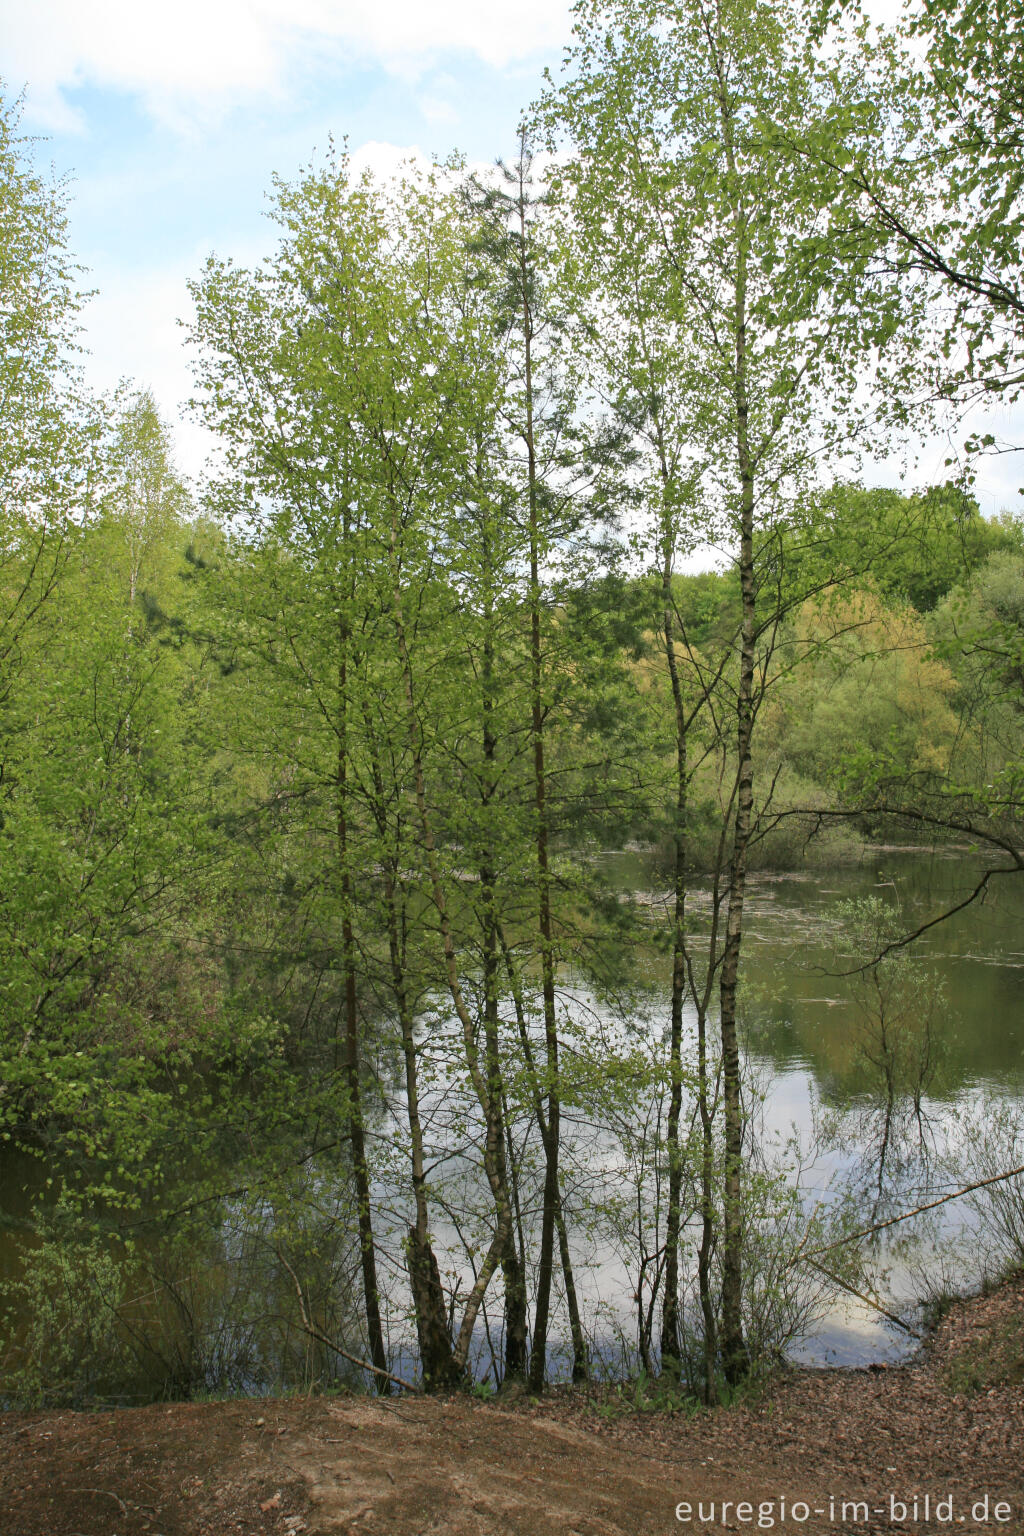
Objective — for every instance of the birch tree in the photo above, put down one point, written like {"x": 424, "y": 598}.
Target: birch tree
{"x": 738, "y": 257}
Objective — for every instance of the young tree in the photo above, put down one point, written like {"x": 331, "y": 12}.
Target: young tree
{"x": 551, "y": 485}
{"x": 355, "y": 380}
{"x": 48, "y": 430}
{"x": 297, "y": 463}
{"x": 103, "y": 821}
{"x": 739, "y": 253}
{"x": 75, "y": 876}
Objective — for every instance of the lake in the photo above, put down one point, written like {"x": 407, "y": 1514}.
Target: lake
{"x": 804, "y": 1038}
{"x": 809, "y": 1055}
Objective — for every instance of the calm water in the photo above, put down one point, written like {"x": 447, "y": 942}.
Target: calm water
{"x": 804, "y": 1040}
{"x": 803, "y": 1036}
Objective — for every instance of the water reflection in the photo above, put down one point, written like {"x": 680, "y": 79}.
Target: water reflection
{"x": 805, "y": 1045}
{"x": 808, "y": 1042}
{"x": 806, "y": 1031}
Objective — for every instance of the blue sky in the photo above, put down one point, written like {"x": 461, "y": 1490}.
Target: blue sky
{"x": 170, "y": 125}
{"x": 171, "y": 121}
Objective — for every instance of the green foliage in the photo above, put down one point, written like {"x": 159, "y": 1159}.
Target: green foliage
{"x": 101, "y": 823}
{"x": 858, "y": 685}
{"x": 43, "y": 458}
{"x": 644, "y": 1395}
{"x": 913, "y": 548}
{"x": 972, "y": 85}
{"x": 70, "y": 1296}
{"x": 299, "y": 800}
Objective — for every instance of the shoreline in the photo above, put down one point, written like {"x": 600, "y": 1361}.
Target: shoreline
{"x": 941, "y": 1426}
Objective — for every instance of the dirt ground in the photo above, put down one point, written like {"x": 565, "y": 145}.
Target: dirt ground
{"x": 949, "y": 1427}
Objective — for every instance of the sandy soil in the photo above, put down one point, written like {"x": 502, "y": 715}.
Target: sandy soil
{"x": 949, "y": 1427}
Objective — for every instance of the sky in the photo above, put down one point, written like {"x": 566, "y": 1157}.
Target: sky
{"x": 170, "y": 121}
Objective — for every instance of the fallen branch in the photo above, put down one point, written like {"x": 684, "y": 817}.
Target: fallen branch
{"x": 321, "y": 1338}
{"x": 930, "y": 1205}
{"x": 861, "y": 1296}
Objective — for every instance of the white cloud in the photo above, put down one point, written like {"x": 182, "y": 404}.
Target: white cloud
{"x": 133, "y": 334}
{"x": 385, "y": 161}
{"x": 192, "y": 61}
{"x": 175, "y": 58}
{"x": 436, "y": 110}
